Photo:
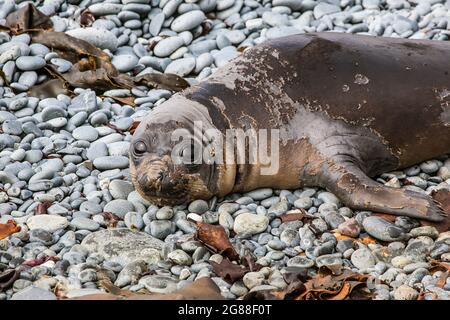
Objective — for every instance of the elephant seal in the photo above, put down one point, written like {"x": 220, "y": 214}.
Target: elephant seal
{"x": 347, "y": 108}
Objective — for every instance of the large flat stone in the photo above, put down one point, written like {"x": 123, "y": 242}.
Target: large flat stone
{"x": 123, "y": 246}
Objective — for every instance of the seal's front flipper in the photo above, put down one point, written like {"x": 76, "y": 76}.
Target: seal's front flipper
{"x": 360, "y": 192}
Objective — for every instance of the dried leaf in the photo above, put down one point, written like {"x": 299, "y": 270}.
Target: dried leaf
{"x": 325, "y": 285}
{"x": 229, "y": 271}
{"x": 86, "y": 18}
{"x": 333, "y": 269}
{"x": 439, "y": 265}
{"x": 201, "y": 289}
{"x": 364, "y": 240}
{"x": 111, "y": 219}
{"x": 39, "y": 261}
{"x": 106, "y": 283}
{"x": 125, "y": 100}
{"x": 293, "y": 290}
{"x": 294, "y": 274}
{"x": 249, "y": 261}
{"x": 8, "y": 228}
{"x": 442, "y": 279}
{"x": 50, "y": 88}
{"x": 41, "y": 208}
{"x": 134, "y": 126}
{"x": 92, "y": 67}
{"x": 114, "y": 127}
{"x": 28, "y": 17}
{"x": 367, "y": 240}
{"x": 7, "y": 278}
{"x": 215, "y": 238}
{"x": 293, "y": 215}
{"x": 166, "y": 81}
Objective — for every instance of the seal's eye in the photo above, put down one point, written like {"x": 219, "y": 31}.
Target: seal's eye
{"x": 189, "y": 157}
{"x": 140, "y": 147}
{"x": 188, "y": 154}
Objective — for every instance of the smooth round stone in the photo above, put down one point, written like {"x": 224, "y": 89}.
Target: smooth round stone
{"x": 50, "y": 223}
{"x": 91, "y": 207}
{"x": 30, "y": 63}
{"x": 127, "y": 15}
{"x": 156, "y": 24}
{"x": 87, "y": 133}
{"x": 180, "y": 257}
{"x": 167, "y": 46}
{"x": 18, "y": 155}
{"x": 122, "y": 245}
{"x": 300, "y": 261}
{"x": 198, "y": 206}
{"x": 97, "y": 150}
{"x": 57, "y": 122}
{"x": 79, "y": 118}
{"x": 250, "y": 224}
{"x": 405, "y": 292}
{"x": 160, "y": 229}
{"x": 111, "y": 162}
{"x": 226, "y": 220}
{"x": 84, "y": 224}
{"x": 414, "y": 266}
{"x": 275, "y": 19}
{"x": 222, "y": 41}
{"x": 41, "y": 236}
{"x": 203, "y": 61}
{"x": 253, "y": 279}
{"x": 125, "y": 62}
{"x": 382, "y": 229}
{"x": 133, "y": 220}
{"x": 323, "y": 8}
{"x": 52, "y": 112}
{"x": 124, "y": 123}
{"x": 13, "y": 127}
{"x": 349, "y": 228}
{"x": 330, "y": 260}
{"x": 181, "y": 67}
{"x": 119, "y": 207}
{"x": 333, "y": 219}
{"x": 164, "y": 213}
{"x": 103, "y": 9}
{"x": 120, "y": 189}
{"x": 260, "y": 194}
{"x": 363, "y": 259}
{"x": 33, "y": 293}
{"x": 402, "y": 24}
{"x": 37, "y": 49}
{"x": 119, "y": 148}
{"x": 278, "y": 208}
{"x": 28, "y": 78}
{"x": 33, "y": 156}
{"x": 303, "y": 203}
{"x": 84, "y": 102}
{"x": 188, "y": 21}
{"x": 101, "y": 38}
{"x": 328, "y": 197}
{"x": 61, "y": 64}
{"x": 159, "y": 283}
{"x": 428, "y": 231}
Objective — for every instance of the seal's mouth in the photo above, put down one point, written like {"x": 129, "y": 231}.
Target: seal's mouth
{"x": 162, "y": 184}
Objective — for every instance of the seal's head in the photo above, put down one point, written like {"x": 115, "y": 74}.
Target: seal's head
{"x": 167, "y": 166}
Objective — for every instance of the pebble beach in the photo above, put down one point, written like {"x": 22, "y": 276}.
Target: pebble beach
{"x": 64, "y": 165}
